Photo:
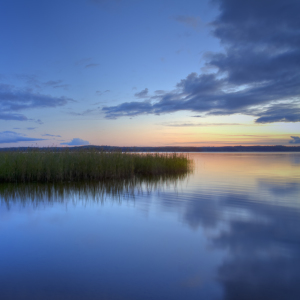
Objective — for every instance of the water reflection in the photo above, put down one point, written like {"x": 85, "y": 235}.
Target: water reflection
{"x": 100, "y": 191}
{"x": 229, "y": 231}
{"x": 259, "y": 230}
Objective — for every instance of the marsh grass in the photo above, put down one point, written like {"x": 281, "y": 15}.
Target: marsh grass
{"x": 67, "y": 166}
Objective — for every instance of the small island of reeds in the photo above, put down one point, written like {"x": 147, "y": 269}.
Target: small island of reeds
{"x": 87, "y": 165}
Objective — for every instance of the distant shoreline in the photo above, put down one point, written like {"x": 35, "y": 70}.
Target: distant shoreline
{"x": 277, "y": 148}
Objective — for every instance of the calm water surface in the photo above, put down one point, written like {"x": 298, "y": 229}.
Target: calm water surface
{"x": 230, "y": 230}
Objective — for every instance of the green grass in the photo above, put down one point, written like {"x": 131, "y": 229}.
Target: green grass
{"x": 66, "y": 166}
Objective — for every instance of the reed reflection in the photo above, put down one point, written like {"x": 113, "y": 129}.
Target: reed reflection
{"x": 100, "y": 191}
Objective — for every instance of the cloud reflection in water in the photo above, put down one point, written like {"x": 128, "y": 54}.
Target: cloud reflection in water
{"x": 230, "y": 231}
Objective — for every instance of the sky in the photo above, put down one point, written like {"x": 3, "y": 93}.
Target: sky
{"x": 149, "y": 72}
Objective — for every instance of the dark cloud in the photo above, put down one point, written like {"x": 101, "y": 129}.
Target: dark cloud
{"x": 288, "y": 112}
{"x": 188, "y": 20}
{"x": 14, "y": 99}
{"x": 14, "y": 137}
{"x": 295, "y": 140}
{"x": 142, "y": 94}
{"x": 127, "y": 109}
{"x": 76, "y": 142}
{"x": 258, "y": 74}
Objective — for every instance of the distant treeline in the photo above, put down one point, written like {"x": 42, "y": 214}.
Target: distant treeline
{"x": 167, "y": 149}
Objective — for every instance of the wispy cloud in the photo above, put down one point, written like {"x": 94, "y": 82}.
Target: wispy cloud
{"x": 50, "y": 135}
{"x": 34, "y": 82}
{"x": 142, "y": 94}
{"x": 13, "y": 99}
{"x": 106, "y": 3}
{"x": 100, "y": 93}
{"x": 190, "y": 21}
{"x": 7, "y": 137}
{"x": 92, "y": 65}
{"x": 86, "y": 112}
{"x": 159, "y": 92}
{"x": 12, "y": 116}
{"x": 198, "y": 124}
{"x": 76, "y": 142}
{"x": 87, "y": 63}
{"x": 56, "y": 84}
{"x": 38, "y": 121}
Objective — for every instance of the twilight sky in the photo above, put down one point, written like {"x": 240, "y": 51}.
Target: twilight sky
{"x": 149, "y": 72}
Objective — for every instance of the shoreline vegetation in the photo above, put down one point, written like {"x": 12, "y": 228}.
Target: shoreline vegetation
{"x": 86, "y": 165}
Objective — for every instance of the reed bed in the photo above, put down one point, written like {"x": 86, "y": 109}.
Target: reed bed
{"x": 67, "y": 166}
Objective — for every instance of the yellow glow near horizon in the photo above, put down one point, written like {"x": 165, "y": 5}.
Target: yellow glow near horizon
{"x": 164, "y": 131}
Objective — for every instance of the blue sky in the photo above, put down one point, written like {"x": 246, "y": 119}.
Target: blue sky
{"x": 149, "y": 73}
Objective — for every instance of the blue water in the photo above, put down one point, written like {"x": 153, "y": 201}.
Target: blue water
{"x": 229, "y": 231}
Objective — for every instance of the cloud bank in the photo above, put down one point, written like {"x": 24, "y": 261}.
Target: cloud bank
{"x": 76, "y": 142}
{"x": 258, "y": 73}
{"x": 14, "y": 137}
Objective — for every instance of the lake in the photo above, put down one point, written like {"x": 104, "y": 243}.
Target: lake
{"x": 228, "y": 231}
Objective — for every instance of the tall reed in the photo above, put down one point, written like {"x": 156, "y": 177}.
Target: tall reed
{"x": 63, "y": 165}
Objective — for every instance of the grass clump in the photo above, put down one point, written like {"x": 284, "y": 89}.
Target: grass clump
{"x": 88, "y": 165}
